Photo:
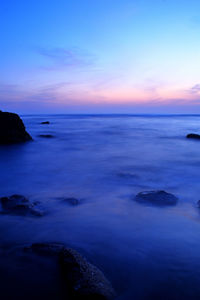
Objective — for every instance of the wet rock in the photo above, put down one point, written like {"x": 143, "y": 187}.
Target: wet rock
{"x": 84, "y": 280}
{"x": 18, "y": 205}
{"x": 45, "y": 122}
{"x": 193, "y": 136}
{"x": 12, "y": 129}
{"x": 156, "y": 198}
{"x": 48, "y": 136}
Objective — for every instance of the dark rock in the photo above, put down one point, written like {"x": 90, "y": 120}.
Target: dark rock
{"x": 193, "y": 136}
{"x": 72, "y": 201}
{"x": 18, "y": 205}
{"x": 48, "y": 136}
{"x": 12, "y": 129}
{"x": 156, "y": 198}
{"x": 84, "y": 280}
{"x": 198, "y": 204}
{"x": 45, "y": 122}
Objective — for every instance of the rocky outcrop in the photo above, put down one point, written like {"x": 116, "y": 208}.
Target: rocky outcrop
{"x": 193, "y": 136}
{"x": 19, "y": 205}
{"x": 156, "y": 198}
{"x": 12, "y": 129}
{"x": 45, "y": 122}
{"x": 83, "y": 280}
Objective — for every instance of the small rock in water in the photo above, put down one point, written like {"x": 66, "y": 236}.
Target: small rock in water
{"x": 48, "y": 136}
{"x": 156, "y": 198}
{"x": 45, "y": 122}
{"x": 193, "y": 136}
{"x": 12, "y": 129}
{"x": 18, "y": 205}
{"x": 72, "y": 200}
{"x": 84, "y": 280}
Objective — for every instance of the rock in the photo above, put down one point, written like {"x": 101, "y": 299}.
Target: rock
{"x": 12, "y": 129}
{"x": 156, "y": 198}
{"x": 18, "y": 205}
{"x": 84, "y": 280}
{"x": 193, "y": 136}
{"x": 198, "y": 203}
{"x": 72, "y": 201}
{"x": 45, "y": 122}
{"x": 48, "y": 136}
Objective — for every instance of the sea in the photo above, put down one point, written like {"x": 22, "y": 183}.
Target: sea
{"x": 146, "y": 251}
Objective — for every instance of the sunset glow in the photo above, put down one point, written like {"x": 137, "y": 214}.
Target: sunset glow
{"x": 99, "y": 56}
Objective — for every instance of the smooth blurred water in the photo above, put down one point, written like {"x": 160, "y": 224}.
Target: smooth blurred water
{"x": 146, "y": 252}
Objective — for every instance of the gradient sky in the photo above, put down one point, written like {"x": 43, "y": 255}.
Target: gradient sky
{"x": 95, "y": 56}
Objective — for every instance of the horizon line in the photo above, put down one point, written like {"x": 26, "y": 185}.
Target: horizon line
{"x": 110, "y": 114}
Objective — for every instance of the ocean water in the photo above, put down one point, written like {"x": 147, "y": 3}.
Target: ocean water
{"x": 147, "y": 252}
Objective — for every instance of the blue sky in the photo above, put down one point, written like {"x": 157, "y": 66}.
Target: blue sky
{"x": 100, "y": 56}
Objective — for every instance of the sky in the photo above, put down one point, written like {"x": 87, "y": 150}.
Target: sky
{"x": 100, "y": 56}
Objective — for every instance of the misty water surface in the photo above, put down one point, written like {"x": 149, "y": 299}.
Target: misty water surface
{"x": 146, "y": 252}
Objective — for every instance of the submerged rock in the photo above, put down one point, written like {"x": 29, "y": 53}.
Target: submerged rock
{"x": 84, "y": 280}
{"x": 12, "y": 129}
{"x": 45, "y": 122}
{"x": 18, "y": 205}
{"x": 72, "y": 200}
{"x": 156, "y": 198}
{"x": 48, "y": 136}
{"x": 193, "y": 136}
